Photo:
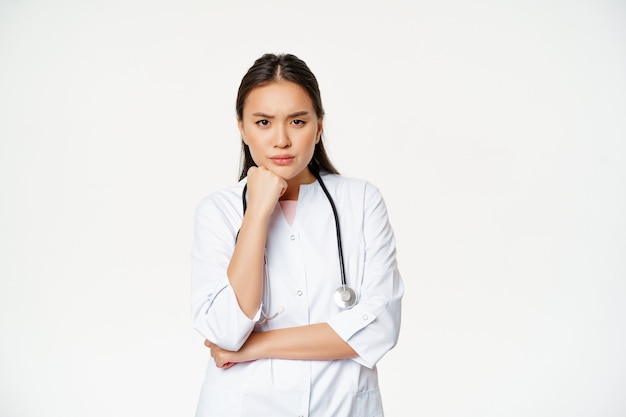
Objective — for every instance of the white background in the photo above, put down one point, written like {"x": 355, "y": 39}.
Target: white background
{"x": 496, "y": 131}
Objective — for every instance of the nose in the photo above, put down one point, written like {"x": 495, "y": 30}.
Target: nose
{"x": 282, "y": 138}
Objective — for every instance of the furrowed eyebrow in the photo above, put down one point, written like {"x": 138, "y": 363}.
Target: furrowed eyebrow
{"x": 267, "y": 116}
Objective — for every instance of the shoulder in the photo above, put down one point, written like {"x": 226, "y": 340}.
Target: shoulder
{"x": 350, "y": 186}
{"x": 338, "y": 180}
{"x": 224, "y": 200}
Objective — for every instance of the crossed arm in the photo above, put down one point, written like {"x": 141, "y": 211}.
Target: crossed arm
{"x": 312, "y": 342}
{"x": 380, "y": 298}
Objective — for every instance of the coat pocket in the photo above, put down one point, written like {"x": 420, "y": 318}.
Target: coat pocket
{"x": 367, "y": 404}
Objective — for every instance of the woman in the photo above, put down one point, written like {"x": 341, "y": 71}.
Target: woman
{"x": 295, "y": 284}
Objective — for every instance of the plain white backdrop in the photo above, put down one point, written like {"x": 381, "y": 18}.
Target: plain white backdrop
{"x": 496, "y": 131}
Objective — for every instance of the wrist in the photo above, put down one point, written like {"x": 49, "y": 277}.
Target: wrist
{"x": 259, "y": 217}
{"x": 257, "y": 345}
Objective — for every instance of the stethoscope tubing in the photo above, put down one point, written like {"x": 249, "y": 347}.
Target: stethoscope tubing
{"x": 335, "y": 215}
{"x": 345, "y": 297}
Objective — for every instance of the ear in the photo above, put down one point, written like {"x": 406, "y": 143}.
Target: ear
{"x": 241, "y": 131}
{"x": 320, "y": 125}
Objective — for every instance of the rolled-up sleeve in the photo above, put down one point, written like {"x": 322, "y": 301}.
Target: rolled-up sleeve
{"x": 372, "y": 326}
{"x": 214, "y": 308}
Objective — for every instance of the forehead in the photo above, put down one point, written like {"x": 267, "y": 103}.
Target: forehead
{"x": 278, "y": 97}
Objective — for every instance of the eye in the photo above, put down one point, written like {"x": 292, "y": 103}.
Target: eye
{"x": 298, "y": 122}
{"x": 263, "y": 122}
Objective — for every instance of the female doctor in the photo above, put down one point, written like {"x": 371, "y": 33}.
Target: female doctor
{"x": 295, "y": 285}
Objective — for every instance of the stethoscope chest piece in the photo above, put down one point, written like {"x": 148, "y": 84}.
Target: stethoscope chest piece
{"x": 345, "y": 297}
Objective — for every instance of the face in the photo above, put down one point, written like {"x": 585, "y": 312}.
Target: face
{"x": 281, "y": 129}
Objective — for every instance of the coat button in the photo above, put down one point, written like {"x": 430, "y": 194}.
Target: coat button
{"x": 299, "y": 292}
{"x": 292, "y": 237}
{"x": 364, "y": 316}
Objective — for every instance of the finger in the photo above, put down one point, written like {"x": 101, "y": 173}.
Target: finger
{"x": 283, "y": 186}
{"x": 207, "y": 343}
{"x": 225, "y": 365}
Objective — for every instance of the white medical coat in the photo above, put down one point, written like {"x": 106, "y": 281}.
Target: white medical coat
{"x": 304, "y": 272}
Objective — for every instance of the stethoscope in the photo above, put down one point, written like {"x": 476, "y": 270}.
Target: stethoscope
{"x": 344, "y": 296}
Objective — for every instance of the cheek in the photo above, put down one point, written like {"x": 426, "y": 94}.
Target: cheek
{"x": 314, "y": 139}
{"x": 254, "y": 141}
{"x": 255, "y": 152}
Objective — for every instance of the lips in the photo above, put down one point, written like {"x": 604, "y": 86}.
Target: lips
{"x": 282, "y": 159}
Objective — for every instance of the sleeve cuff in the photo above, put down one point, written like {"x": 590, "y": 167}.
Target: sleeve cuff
{"x": 348, "y": 323}
{"x": 224, "y": 323}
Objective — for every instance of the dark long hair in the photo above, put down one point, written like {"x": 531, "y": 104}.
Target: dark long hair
{"x": 285, "y": 67}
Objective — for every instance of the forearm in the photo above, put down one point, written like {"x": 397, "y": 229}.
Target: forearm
{"x": 312, "y": 342}
{"x": 245, "y": 271}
